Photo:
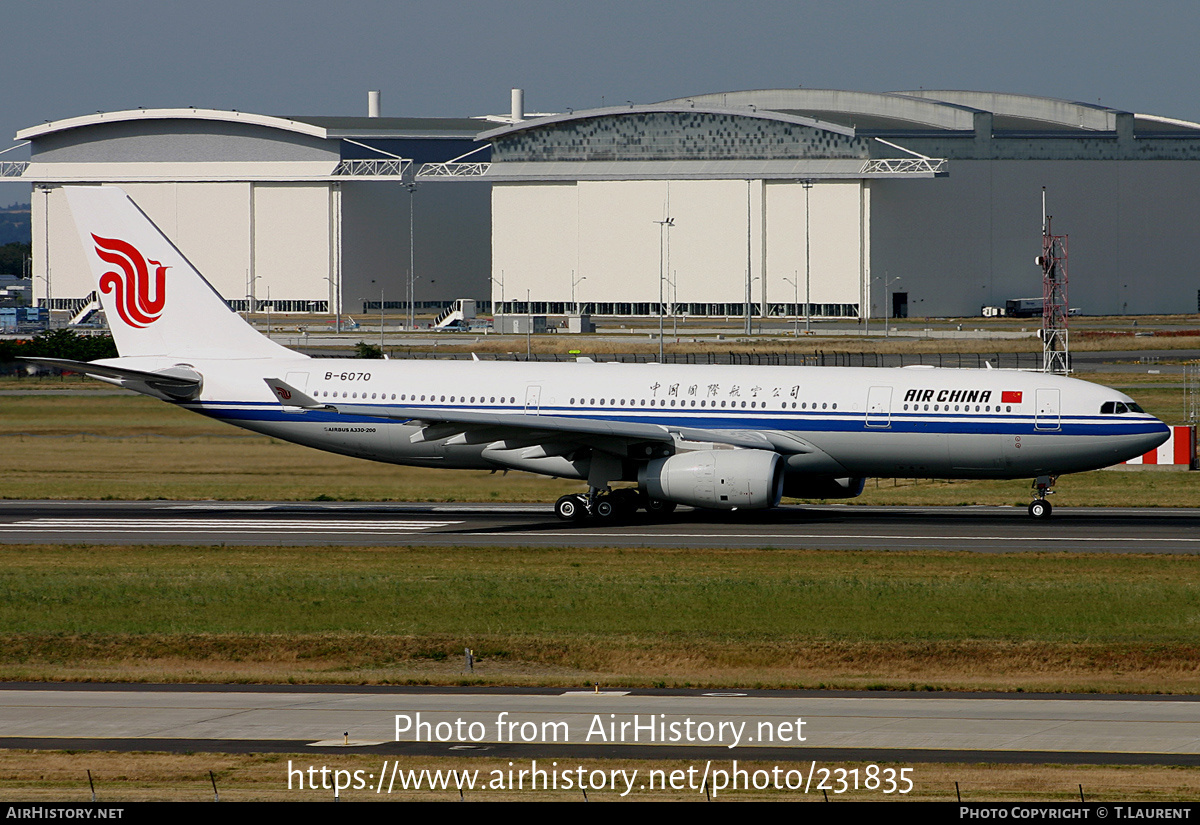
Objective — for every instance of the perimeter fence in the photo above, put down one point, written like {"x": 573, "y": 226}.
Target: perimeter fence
{"x": 964, "y": 360}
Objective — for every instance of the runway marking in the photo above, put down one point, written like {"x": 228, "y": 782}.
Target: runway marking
{"x": 854, "y": 536}
{"x": 218, "y": 525}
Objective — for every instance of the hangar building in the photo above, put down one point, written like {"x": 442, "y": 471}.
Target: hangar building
{"x": 837, "y": 204}
{"x": 312, "y": 213}
{"x": 924, "y": 203}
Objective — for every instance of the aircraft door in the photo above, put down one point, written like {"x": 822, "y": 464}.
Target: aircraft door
{"x": 879, "y": 407}
{"x": 1047, "y": 417}
{"x": 299, "y": 380}
{"x": 533, "y": 399}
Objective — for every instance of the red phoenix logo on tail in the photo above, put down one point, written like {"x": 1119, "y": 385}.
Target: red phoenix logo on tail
{"x": 139, "y": 303}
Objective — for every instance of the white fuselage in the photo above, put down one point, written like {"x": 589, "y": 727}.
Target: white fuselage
{"x": 827, "y": 421}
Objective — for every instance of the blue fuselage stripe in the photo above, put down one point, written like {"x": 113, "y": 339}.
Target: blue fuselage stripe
{"x": 785, "y": 421}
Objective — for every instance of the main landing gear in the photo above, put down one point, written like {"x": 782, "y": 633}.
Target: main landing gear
{"x": 1039, "y": 508}
{"x": 609, "y": 505}
{"x": 570, "y": 508}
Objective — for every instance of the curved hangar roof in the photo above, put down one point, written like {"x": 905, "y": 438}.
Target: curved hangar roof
{"x": 320, "y": 127}
{"x": 924, "y": 111}
{"x": 209, "y": 144}
{"x": 685, "y": 140}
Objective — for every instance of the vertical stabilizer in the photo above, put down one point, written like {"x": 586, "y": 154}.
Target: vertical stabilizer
{"x": 155, "y": 300}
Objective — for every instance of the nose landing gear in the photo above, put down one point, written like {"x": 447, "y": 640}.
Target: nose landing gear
{"x": 1039, "y": 508}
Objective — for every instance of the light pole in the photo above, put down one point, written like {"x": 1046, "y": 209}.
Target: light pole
{"x": 253, "y": 307}
{"x": 499, "y": 281}
{"x": 795, "y": 282}
{"x": 412, "y": 280}
{"x": 337, "y": 303}
{"x": 749, "y": 265}
{"x": 663, "y": 226}
{"x": 46, "y": 255}
{"x": 673, "y": 299}
{"x": 808, "y": 185}
{"x": 528, "y": 327}
{"x": 887, "y": 282}
{"x": 575, "y": 282}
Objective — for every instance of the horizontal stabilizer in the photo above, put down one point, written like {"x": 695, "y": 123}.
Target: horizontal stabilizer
{"x": 175, "y": 383}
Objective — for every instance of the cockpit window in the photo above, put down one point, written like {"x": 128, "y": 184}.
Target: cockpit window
{"x": 1119, "y": 407}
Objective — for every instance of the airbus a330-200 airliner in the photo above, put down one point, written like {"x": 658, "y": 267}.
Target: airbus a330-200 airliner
{"x": 722, "y": 437}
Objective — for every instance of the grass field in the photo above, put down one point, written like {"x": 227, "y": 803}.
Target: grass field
{"x": 158, "y": 777}
{"x": 1044, "y": 622}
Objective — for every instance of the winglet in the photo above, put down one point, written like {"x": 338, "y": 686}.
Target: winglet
{"x": 289, "y": 396}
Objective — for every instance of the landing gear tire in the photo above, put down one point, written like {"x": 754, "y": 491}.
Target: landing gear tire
{"x": 657, "y": 507}
{"x": 1040, "y": 509}
{"x": 605, "y": 508}
{"x": 570, "y": 508}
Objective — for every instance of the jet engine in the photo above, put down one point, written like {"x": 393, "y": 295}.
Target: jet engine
{"x": 718, "y": 479}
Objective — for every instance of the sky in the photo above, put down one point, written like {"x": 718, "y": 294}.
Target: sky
{"x": 455, "y": 58}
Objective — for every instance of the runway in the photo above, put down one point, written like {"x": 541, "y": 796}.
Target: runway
{"x": 983, "y": 529}
{"x": 543, "y": 723}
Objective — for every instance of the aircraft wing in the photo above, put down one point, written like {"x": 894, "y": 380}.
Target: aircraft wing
{"x": 525, "y": 425}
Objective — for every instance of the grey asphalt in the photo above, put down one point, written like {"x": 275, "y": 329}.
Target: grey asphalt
{"x": 786, "y": 725}
{"x": 981, "y": 529}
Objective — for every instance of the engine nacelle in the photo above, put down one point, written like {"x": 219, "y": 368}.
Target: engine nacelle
{"x": 718, "y": 479}
{"x": 808, "y": 486}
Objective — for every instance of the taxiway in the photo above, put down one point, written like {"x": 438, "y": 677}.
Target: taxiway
{"x": 547, "y": 722}
{"x": 984, "y": 529}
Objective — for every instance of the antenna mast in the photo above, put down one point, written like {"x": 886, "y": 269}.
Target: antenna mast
{"x": 1053, "y": 261}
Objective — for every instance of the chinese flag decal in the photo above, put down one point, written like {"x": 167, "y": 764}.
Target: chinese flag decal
{"x": 1010, "y": 397}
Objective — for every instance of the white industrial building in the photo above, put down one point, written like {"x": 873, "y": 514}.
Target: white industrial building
{"x": 310, "y": 214}
{"x": 719, "y": 200}
{"x": 781, "y": 202}
{"x": 925, "y": 203}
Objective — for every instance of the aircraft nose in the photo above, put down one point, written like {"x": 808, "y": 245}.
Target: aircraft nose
{"x": 1155, "y": 436}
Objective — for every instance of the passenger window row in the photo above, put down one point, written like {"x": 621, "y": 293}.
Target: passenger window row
{"x": 454, "y": 399}
{"x": 957, "y": 408}
{"x": 663, "y": 402}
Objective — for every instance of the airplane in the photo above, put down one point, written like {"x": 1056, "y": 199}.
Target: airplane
{"x": 716, "y": 437}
